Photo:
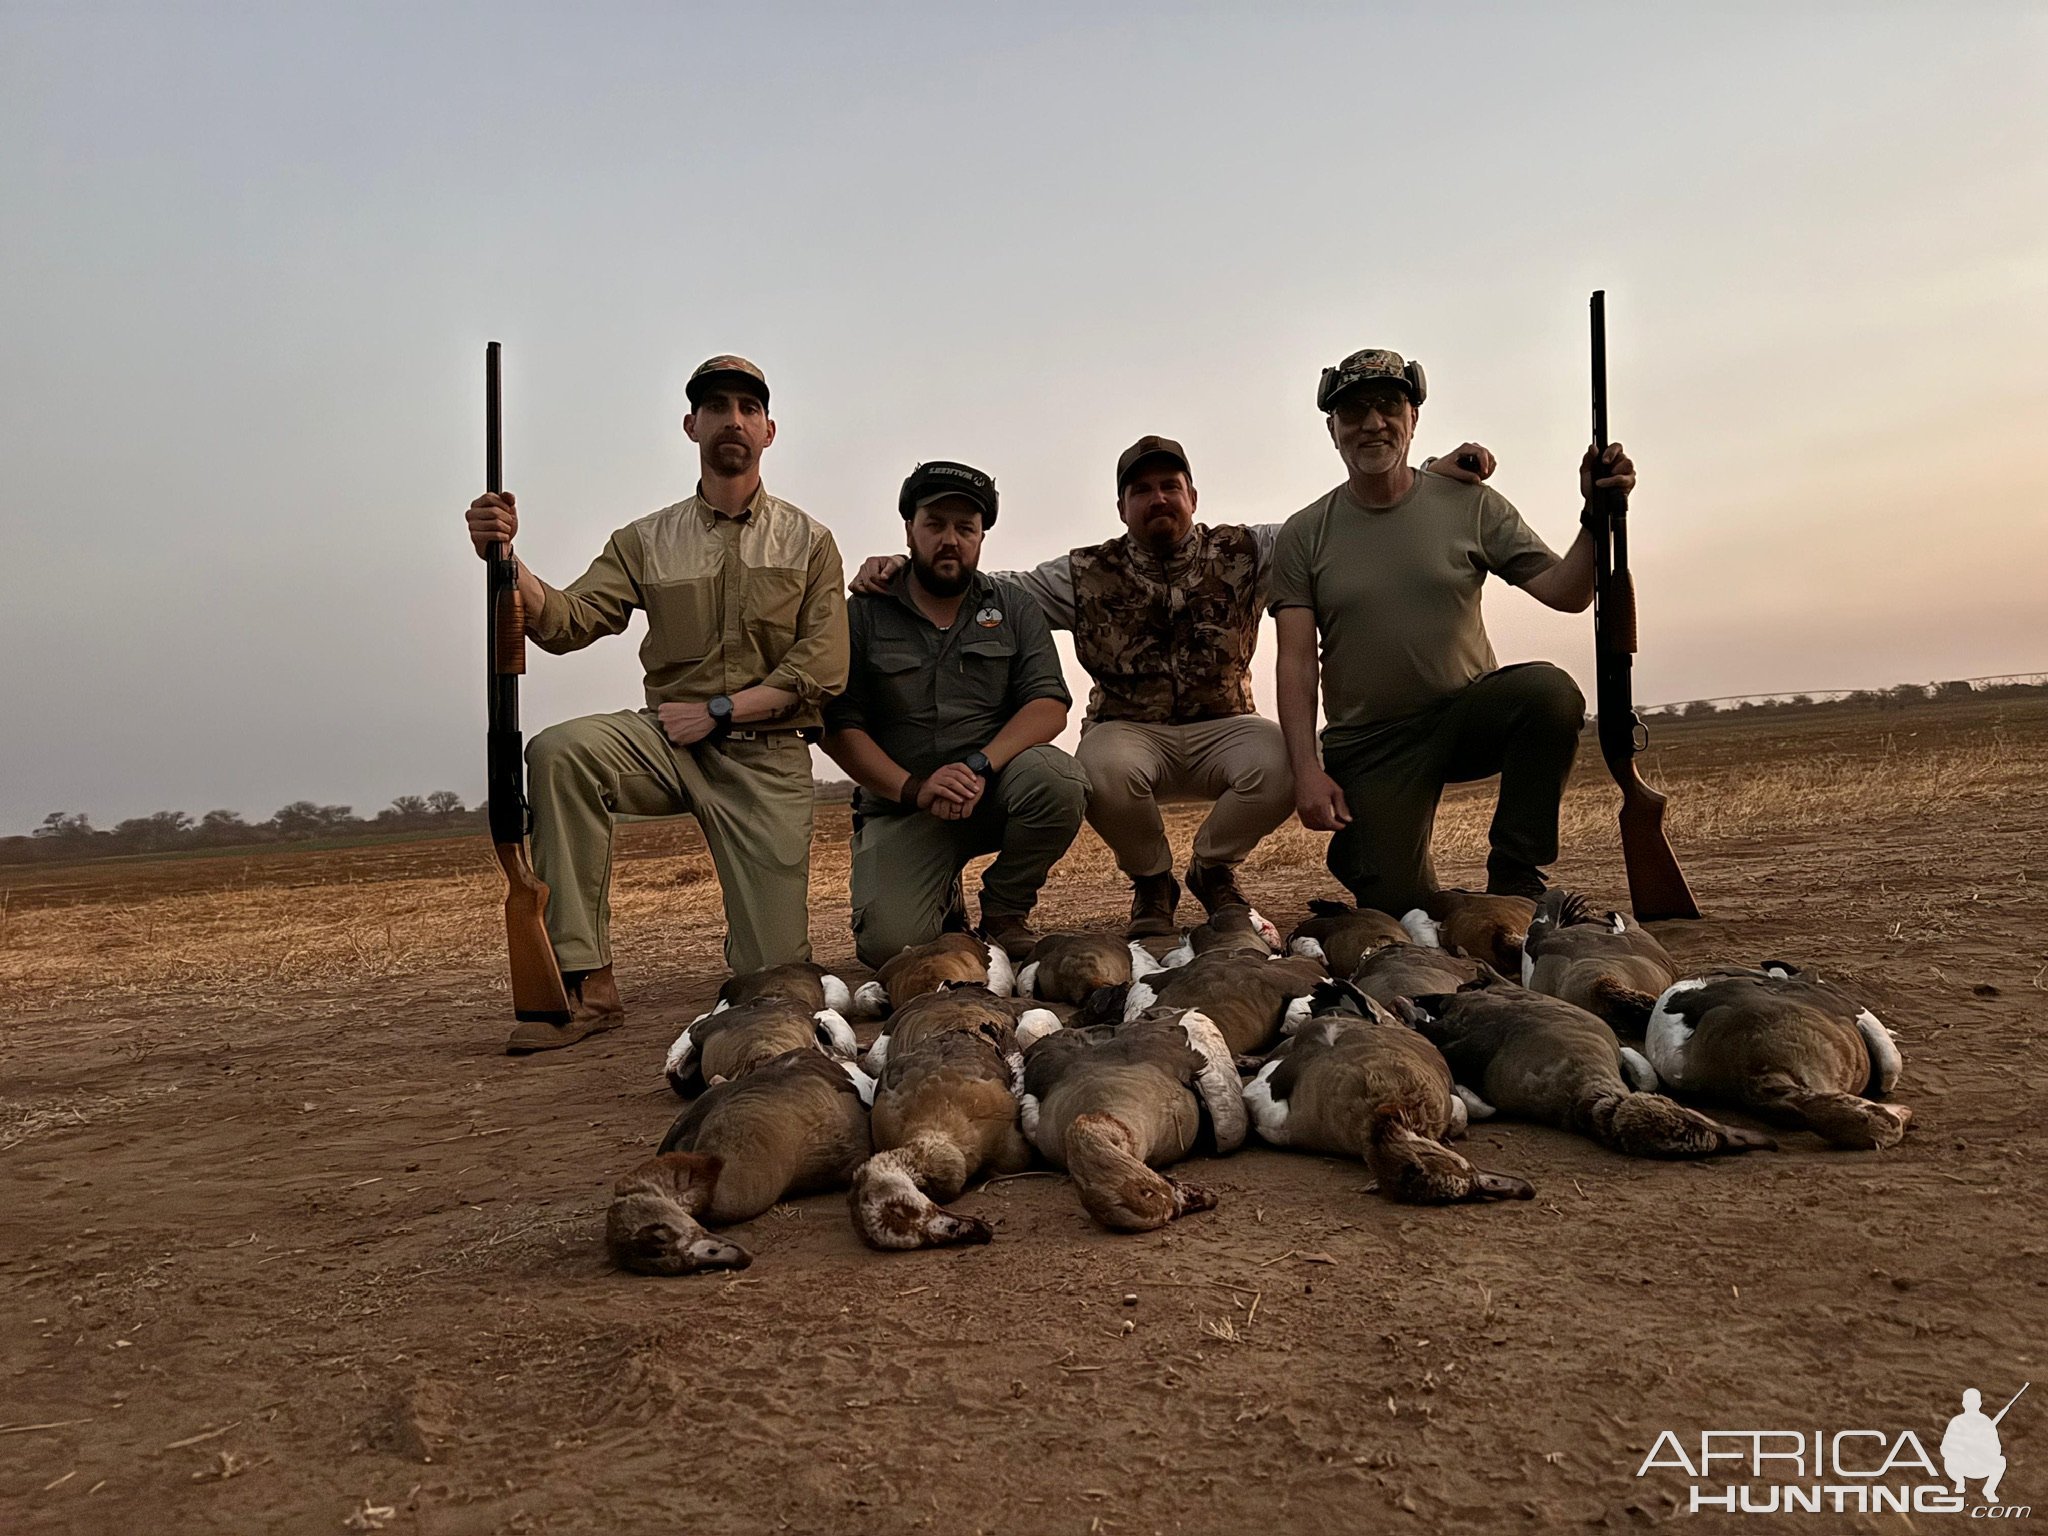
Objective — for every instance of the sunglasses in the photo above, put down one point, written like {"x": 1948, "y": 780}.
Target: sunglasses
{"x": 1353, "y": 407}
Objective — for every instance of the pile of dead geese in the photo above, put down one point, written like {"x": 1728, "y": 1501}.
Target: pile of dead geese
{"x": 1357, "y": 1037}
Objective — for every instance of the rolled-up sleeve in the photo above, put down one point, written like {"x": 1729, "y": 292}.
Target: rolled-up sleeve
{"x": 848, "y": 710}
{"x": 814, "y": 667}
{"x": 600, "y": 602}
{"x": 1035, "y": 673}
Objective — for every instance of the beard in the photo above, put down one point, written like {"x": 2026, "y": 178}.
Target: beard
{"x": 937, "y": 585}
{"x": 732, "y": 457}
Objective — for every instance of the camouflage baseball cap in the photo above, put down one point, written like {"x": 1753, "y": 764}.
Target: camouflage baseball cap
{"x": 1150, "y": 447}
{"x": 1374, "y": 365}
{"x": 729, "y": 371}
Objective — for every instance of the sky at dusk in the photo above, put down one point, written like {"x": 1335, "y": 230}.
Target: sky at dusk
{"x": 252, "y": 254}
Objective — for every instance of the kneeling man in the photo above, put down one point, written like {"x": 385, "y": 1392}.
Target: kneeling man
{"x": 952, "y": 700}
{"x": 1376, "y": 591}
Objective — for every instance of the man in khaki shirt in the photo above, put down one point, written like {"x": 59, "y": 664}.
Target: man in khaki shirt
{"x": 746, "y": 637}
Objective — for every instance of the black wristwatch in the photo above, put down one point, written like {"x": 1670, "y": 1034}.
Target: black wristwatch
{"x": 978, "y": 762}
{"x": 719, "y": 707}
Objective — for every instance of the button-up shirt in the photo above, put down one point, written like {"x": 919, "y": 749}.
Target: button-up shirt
{"x": 731, "y": 602}
{"x": 929, "y": 696}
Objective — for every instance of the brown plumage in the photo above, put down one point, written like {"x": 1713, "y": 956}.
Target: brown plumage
{"x": 1066, "y": 967}
{"x": 1354, "y": 1085}
{"x": 1231, "y": 928}
{"x": 791, "y": 1126}
{"x": 945, "y": 1111}
{"x": 1788, "y": 1048}
{"x": 1246, "y": 997}
{"x": 948, "y": 959}
{"x": 1112, "y": 1104}
{"x": 799, "y": 981}
{"x": 1602, "y": 961}
{"x": 1413, "y": 970}
{"x": 1488, "y": 928}
{"x": 1543, "y": 1059}
{"x": 731, "y": 1041}
{"x": 1341, "y": 936}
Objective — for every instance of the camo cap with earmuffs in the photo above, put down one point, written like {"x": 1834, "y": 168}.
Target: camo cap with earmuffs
{"x": 1374, "y": 365}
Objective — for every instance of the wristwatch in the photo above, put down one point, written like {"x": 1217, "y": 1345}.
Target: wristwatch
{"x": 978, "y": 762}
{"x": 719, "y": 707}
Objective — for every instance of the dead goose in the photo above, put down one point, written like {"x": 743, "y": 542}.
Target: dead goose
{"x": 729, "y": 1041}
{"x": 1340, "y": 936}
{"x": 1112, "y": 1104}
{"x": 800, "y": 982}
{"x": 951, "y": 957}
{"x": 957, "y": 1005}
{"x": 1414, "y": 970}
{"x": 1544, "y": 1059}
{"x": 1787, "y": 1048}
{"x": 792, "y": 1126}
{"x": 1249, "y": 999}
{"x": 1604, "y": 962}
{"x": 1066, "y": 967}
{"x": 1488, "y": 928}
{"x": 945, "y": 1110}
{"x": 1353, "y": 1082}
{"x": 1238, "y": 928}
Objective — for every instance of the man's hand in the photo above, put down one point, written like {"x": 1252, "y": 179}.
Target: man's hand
{"x": 685, "y": 724}
{"x": 951, "y": 792}
{"x": 1319, "y": 802}
{"x": 1618, "y": 471}
{"x": 493, "y": 518}
{"x": 1451, "y": 467}
{"x": 875, "y": 573}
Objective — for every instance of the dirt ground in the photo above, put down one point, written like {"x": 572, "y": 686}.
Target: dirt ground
{"x": 289, "y": 1245}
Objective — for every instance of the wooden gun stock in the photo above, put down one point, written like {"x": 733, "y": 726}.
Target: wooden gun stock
{"x": 537, "y": 990}
{"x": 1656, "y": 885}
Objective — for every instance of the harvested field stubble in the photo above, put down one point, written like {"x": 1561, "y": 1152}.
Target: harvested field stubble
{"x": 290, "y": 1245}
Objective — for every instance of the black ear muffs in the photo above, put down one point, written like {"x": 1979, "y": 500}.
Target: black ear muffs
{"x": 943, "y": 476}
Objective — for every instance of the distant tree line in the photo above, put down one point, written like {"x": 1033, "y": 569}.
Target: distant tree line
{"x": 1898, "y": 696}
{"x": 68, "y": 835}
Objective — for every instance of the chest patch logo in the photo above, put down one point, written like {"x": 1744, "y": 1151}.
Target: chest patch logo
{"x": 989, "y": 618}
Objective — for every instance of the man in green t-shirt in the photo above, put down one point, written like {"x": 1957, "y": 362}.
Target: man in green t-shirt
{"x": 1375, "y": 591}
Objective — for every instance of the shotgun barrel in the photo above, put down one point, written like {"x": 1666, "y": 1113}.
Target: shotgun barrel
{"x": 537, "y": 990}
{"x": 1656, "y": 885}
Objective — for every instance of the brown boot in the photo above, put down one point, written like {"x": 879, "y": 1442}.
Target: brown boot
{"x": 1215, "y": 886}
{"x": 1012, "y": 930}
{"x": 1153, "y": 898}
{"x": 594, "y": 1007}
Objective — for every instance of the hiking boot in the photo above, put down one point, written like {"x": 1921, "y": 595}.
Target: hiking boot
{"x": 1509, "y": 878}
{"x": 1011, "y": 930}
{"x": 594, "y": 1007}
{"x": 1215, "y": 886}
{"x": 1153, "y": 898}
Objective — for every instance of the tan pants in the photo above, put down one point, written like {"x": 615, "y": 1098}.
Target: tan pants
{"x": 1240, "y": 763}
{"x": 752, "y": 799}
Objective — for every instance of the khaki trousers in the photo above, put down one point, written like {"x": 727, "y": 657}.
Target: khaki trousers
{"x": 1239, "y": 762}
{"x": 752, "y": 799}
{"x": 904, "y": 864}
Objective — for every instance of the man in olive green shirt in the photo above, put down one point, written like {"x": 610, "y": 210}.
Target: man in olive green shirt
{"x": 1385, "y": 572}
{"x": 746, "y": 637}
{"x": 946, "y": 725}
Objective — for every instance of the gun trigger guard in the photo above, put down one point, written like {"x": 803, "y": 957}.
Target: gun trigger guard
{"x": 1638, "y": 733}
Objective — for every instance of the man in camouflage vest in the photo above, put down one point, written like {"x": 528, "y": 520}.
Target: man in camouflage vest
{"x": 1165, "y": 620}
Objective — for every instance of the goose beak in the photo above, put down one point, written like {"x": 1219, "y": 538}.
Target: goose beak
{"x": 1499, "y": 1186}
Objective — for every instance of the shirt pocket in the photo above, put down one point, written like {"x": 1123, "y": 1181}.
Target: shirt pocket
{"x": 773, "y": 601}
{"x": 985, "y": 665}
{"x": 683, "y": 619}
